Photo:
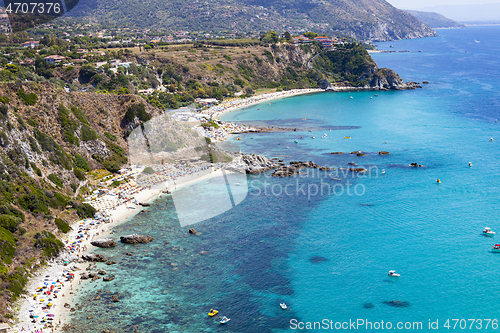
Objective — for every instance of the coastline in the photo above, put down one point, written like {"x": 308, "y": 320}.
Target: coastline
{"x": 56, "y": 267}
{"x": 234, "y": 104}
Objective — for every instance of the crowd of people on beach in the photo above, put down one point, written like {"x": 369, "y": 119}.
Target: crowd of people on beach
{"x": 48, "y": 292}
{"x": 125, "y": 193}
{"x": 216, "y": 111}
{"x": 225, "y": 129}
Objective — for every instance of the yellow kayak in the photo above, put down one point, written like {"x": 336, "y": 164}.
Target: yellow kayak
{"x": 213, "y": 312}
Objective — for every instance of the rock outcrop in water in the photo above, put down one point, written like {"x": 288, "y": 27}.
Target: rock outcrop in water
{"x": 94, "y": 257}
{"x": 104, "y": 243}
{"x": 135, "y": 238}
{"x": 294, "y": 167}
{"x": 387, "y": 79}
{"x": 252, "y": 164}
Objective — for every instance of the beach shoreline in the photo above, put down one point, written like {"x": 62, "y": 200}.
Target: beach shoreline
{"x": 217, "y": 111}
{"x": 118, "y": 215}
{"x": 56, "y": 266}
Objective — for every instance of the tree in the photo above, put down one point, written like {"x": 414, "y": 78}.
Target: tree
{"x": 270, "y": 37}
{"x": 310, "y": 34}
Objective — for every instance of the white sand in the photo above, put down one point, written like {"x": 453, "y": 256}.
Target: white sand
{"x": 235, "y": 104}
{"x": 56, "y": 267}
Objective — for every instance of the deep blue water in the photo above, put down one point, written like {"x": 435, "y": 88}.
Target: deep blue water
{"x": 327, "y": 254}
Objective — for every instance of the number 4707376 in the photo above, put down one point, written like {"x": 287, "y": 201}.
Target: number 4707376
{"x": 471, "y": 324}
{"x": 33, "y": 8}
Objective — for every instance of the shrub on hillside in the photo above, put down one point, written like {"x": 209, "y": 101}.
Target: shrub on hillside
{"x": 62, "y": 225}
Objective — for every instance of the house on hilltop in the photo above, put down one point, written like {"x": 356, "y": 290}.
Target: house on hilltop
{"x": 31, "y": 43}
{"x": 54, "y": 59}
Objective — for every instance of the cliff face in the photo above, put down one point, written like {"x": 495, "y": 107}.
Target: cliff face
{"x": 387, "y": 79}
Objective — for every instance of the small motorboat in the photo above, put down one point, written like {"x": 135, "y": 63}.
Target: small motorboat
{"x": 324, "y": 135}
{"x": 393, "y": 273}
{"x": 238, "y": 139}
{"x": 491, "y": 139}
{"x": 470, "y": 164}
{"x": 296, "y": 141}
{"x": 312, "y": 137}
{"x": 347, "y": 137}
{"x": 283, "y": 306}
{"x": 488, "y": 232}
{"x": 224, "y": 320}
{"x": 383, "y": 171}
{"x": 212, "y": 312}
{"x": 495, "y": 248}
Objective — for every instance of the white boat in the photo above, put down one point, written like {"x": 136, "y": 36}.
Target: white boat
{"x": 477, "y": 41}
{"x": 283, "y": 306}
{"x": 224, "y": 320}
{"x": 488, "y": 232}
{"x": 393, "y": 273}
{"x": 470, "y": 164}
{"x": 324, "y": 135}
{"x": 495, "y": 248}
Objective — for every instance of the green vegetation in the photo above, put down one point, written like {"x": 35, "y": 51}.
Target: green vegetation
{"x": 59, "y": 156}
{"x": 136, "y": 110}
{"x": 10, "y": 222}
{"x": 110, "y": 136}
{"x": 7, "y": 246}
{"x": 115, "y": 161}
{"x": 79, "y": 173}
{"x": 80, "y": 162}
{"x": 84, "y": 210}
{"x": 62, "y": 225}
{"x": 28, "y": 99}
{"x": 350, "y": 63}
{"x": 68, "y": 126}
{"x": 56, "y": 180}
{"x": 48, "y": 244}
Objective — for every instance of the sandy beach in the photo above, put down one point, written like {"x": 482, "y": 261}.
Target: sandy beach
{"x": 234, "y": 104}
{"x": 56, "y": 271}
{"x": 57, "y": 282}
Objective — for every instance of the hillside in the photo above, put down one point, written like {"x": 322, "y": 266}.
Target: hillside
{"x": 435, "y": 20}
{"x": 49, "y": 140}
{"x": 368, "y": 20}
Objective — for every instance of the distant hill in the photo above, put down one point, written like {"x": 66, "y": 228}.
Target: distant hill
{"x": 468, "y": 13}
{"x": 435, "y": 20}
{"x": 368, "y": 20}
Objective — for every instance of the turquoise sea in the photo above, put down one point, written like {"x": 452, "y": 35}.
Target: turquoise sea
{"x": 327, "y": 254}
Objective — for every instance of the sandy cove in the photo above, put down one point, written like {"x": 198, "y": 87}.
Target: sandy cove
{"x": 56, "y": 267}
{"x": 234, "y": 104}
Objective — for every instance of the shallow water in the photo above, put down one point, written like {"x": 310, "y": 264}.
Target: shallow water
{"x": 327, "y": 254}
